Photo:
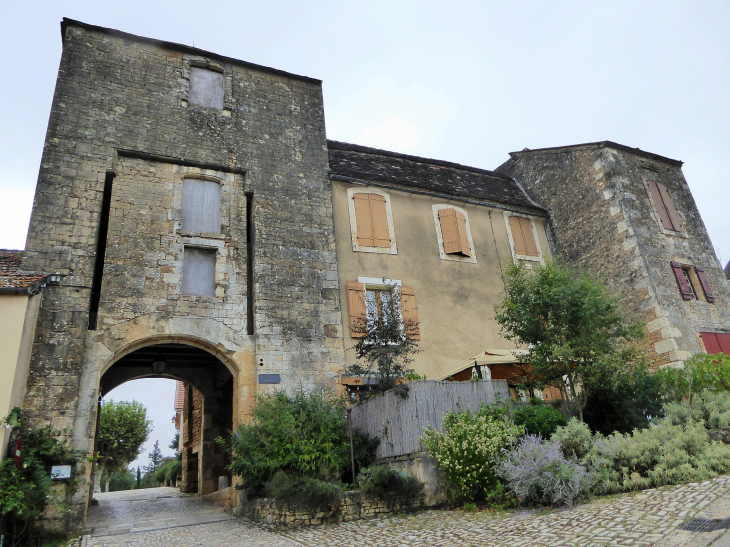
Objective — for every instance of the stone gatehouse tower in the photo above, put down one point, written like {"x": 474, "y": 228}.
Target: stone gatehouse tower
{"x": 183, "y": 197}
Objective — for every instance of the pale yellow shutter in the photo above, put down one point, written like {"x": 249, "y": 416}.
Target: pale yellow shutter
{"x": 449, "y": 231}
{"x": 410, "y": 312}
{"x": 356, "y": 307}
{"x": 516, "y": 229}
{"x": 463, "y": 238}
{"x": 379, "y": 218}
{"x": 362, "y": 218}
{"x": 528, "y": 237}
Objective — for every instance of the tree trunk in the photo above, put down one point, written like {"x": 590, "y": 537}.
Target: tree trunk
{"x": 101, "y": 462}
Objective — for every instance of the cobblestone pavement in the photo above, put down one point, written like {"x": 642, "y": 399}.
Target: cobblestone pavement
{"x": 649, "y": 518}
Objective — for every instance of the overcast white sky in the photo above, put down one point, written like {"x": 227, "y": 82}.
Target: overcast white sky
{"x": 461, "y": 81}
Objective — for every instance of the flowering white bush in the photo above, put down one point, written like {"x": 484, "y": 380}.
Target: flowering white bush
{"x": 467, "y": 451}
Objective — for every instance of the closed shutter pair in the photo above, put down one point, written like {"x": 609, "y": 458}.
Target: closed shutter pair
{"x": 358, "y": 313}
{"x": 372, "y": 220}
{"x": 453, "y": 232}
{"x": 684, "y": 288}
{"x": 522, "y": 236}
{"x": 716, "y": 342}
{"x": 664, "y": 206}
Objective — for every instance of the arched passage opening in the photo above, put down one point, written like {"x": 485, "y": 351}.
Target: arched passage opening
{"x": 207, "y": 406}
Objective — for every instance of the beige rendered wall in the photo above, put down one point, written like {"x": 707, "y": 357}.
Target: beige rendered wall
{"x": 18, "y": 315}
{"x": 455, "y": 299}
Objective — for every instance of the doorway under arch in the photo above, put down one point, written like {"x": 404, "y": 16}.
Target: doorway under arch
{"x": 207, "y": 411}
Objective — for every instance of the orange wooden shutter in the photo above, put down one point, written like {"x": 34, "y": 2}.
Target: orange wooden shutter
{"x": 362, "y": 219}
{"x": 356, "y": 306}
{"x": 463, "y": 239}
{"x": 410, "y": 312}
{"x": 671, "y": 211}
{"x": 528, "y": 237}
{"x": 659, "y": 204}
{"x": 379, "y": 219}
{"x": 449, "y": 231}
{"x": 516, "y": 229}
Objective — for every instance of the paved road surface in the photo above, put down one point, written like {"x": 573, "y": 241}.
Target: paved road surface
{"x": 164, "y": 517}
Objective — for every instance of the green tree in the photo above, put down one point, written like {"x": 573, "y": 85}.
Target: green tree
{"x": 123, "y": 429}
{"x": 573, "y": 327}
{"x": 122, "y": 480}
{"x": 385, "y": 351}
{"x": 156, "y": 459}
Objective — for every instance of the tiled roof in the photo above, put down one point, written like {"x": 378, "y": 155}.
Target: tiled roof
{"x": 371, "y": 164}
{"x": 9, "y": 276}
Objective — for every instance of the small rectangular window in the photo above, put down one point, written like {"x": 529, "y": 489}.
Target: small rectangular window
{"x": 378, "y": 307}
{"x": 198, "y": 271}
{"x": 454, "y": 232}
{"x": 690, "y": 279}
{"x": 206, "y": 87}
{"x": 372, "y": 220}
{"x": 716, "y": 342}
{"x": 522, "y": 236}
{"x": 664, "y": 207}
{"x": 201, "y": 206}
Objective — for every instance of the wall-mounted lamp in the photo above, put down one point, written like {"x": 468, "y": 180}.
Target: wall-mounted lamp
{"x": 159, "y": 364}
{"x": 54, "y": 279}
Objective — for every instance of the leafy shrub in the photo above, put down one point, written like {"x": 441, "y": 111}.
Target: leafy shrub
{"x": 536, "y": 470}
{"x": 701, "y": 372}
{"x": 467, "y": 450}
{"x": 389, "y": 484}
{"x": 167, "y": 473}
{"x": 303, "y": 492}
{"x": 575, "y": 439}
{"x": 628, "y": 400}
{"x": 304, "y": 434}
{"x": 539, "y": 420}
{"x": 710, "y": 407}
{"x": 25, "y": 491}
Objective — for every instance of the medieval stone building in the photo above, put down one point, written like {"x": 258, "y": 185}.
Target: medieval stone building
{"x": 200, "y": 226}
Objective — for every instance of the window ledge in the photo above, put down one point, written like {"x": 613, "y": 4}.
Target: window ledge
{"x": 206, "y": 235}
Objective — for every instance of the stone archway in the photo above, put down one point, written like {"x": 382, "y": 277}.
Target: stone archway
{"x": 209, "y": 401}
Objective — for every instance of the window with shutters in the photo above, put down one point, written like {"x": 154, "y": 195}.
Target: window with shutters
{"x": 716, "y": 342}
{"x": 522, "y": 236}
{"x": 453, "y": 234}
{"x": 692, "y": 282}
{"x": 372, "y": 302}
{"x": 664, "y": 207}
{"x": 201, "y": 206}
{"x": 371, "y": 221}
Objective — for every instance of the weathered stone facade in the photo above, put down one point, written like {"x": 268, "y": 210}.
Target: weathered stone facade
{"x": 121, "y": 119}
{"x": 603, "y": 219}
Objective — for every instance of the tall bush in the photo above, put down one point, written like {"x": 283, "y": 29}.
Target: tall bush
{"x": 539, "y": 420}
{"x": 304, "y": 434}
{"x": 467, "y": 450}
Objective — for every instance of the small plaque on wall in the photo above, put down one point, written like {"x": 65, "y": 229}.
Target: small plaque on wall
{"x": 59, "y": 472}
{"x": 269, "y": 379}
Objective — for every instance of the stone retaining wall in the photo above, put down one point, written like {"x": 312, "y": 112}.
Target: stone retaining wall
{"x": 353, "y": 506}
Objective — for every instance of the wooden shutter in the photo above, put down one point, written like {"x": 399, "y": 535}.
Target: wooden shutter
{"x": 410, "y": 312}
{"x": 712, "y": 344}
{"x": 517, "y": 239}
{"x": 684, "y": 289}
{"x": 724, "y": 340}
{"x": 705, "y": 284}
{"x": 528, "y": 237}
{"x": 671, "y": 211}
{"x": 363, "y": 220}
{"x": 356, "y": 306}
{"x": 449, "y": 231}
{"x": 379, "y": 219}
{"x": 461, "y": 229}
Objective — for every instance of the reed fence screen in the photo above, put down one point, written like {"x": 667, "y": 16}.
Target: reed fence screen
{"x": 398, "y": 421}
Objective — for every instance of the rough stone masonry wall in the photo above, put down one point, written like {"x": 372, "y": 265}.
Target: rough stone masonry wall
{"x": 121, "y": 105}
{"x": 353, "y": 506}
{"x": 603, "y": 220}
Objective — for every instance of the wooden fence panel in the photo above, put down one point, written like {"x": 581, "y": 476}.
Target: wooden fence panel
{"x": 399, "y": 422}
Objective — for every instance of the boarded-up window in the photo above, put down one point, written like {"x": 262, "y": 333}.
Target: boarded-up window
{"x": 454, "y": 232}
{"x": 716, "y": 342}
{"x": 522, "y": 236}
{"x": 199, "y": 271}
{"x": 664, "y": 206}
{"x": 372, "y": 220}
{"x": 206, "y": 87}
{"x": 410, "y": 312}
{"x": 201, "y": 206}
